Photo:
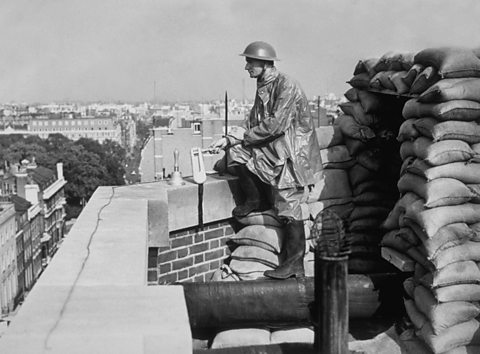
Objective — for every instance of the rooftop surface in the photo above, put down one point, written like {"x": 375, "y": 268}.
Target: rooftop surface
{"x": 93, "y": 297}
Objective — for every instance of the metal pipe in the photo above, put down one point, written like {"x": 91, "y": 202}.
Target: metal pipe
{"x": 331, "y": 300}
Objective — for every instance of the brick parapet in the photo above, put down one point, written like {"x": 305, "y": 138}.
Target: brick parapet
{"x": 193, "y": 254}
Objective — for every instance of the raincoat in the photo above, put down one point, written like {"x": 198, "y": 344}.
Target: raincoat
{"x": 280, "y": 144}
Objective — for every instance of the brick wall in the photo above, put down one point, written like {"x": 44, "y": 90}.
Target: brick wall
{"x": 192, "y": 255}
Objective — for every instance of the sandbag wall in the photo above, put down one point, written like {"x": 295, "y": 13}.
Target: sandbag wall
{"x": 369, "y": 124}
{"x": 434, "y": 226}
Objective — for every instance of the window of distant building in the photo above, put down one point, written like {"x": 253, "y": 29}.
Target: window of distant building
{"x": 197, "y": 128}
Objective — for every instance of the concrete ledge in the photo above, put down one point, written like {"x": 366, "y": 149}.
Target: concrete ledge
{"x": 218, "y": 201}
{"x": 93, "y": 297}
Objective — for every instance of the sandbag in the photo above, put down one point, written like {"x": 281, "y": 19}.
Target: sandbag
{"x": 366, "y": 66}
{"x": 438, "y": 192}
{"x": 441, "y": 152}
{"x": 224, "y": 273}
{"x": 463, "y": 272}
{"x": 358, "y": 174}
{"x": 362, "y": 212}
{"x": 407, "y": 131}
{"x": 397, "y": 80}
{"x": 333, "y": 184}
{"x": 412, "y": 74}
{"x": 371, "y": 238}
{"x": 463, "y": 110}
{"x": 431, "y": 220}
{"x": 356, "y": 110}
{"x": 267, "y": 237}
{"x": 451, "y": 62}
{"x": 351, "y": 94}
{"x": 459, "y": 292}
{"x": 407, "y": 150}
{"x": 369, "y": 159}
{"x": 241, "y": 338}
{"x": 468, "y": 173}
{"x": 379, "y": 185}
{"x": 293, "y": 335}
{"x": 394, "y": 61}
{"x": 255, "y": 254}
{"x": 249, "y": 270}
{"x": 458, "y": 335}
{"x": 376, "y": 198}
{"x": 452, "y": 89}
{"x": 418, "y": 257}
{"x": 449, "y": 130}
{"x": 418, "y": 319}
{"x": 351, "y": 128}
{"x": 392, "y": 220}
{"x": 424, "y": 80}
{"x": 365, "y": 224}
{"x": 336, "y": 157}
{"x": 329, "y": 135}
{"x": 446, "y": 237}
{"x": 354, "y": 146}
{"x": 467, "y": 251}
{"x": 267, "y": 218}
{"x": 393, "y": 240}
{"x": 443, "y": 315}
{"x": 381, "y": 81}
{"x": 371, "y": 103}
{"x": 425, "y": 126}
{"x": 409, "y": 286}
{"x": 360, "y": 81}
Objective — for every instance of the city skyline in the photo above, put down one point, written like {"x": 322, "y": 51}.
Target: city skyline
{"x": 188, "y": 50}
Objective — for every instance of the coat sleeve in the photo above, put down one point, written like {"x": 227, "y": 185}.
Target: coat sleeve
{"x": 275, "y": 122}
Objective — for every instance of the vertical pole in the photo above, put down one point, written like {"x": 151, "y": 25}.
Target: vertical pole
{"x": 318, "y": 110}
{"x": 331, "y": 299}
{"x": 226, "y": 113}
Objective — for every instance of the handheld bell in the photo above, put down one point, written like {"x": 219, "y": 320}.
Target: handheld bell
{"x": 176, "y": 179}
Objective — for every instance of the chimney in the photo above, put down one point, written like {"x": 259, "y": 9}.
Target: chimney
{"x": 59, "y": 170}
{"x": 31, "y": 193}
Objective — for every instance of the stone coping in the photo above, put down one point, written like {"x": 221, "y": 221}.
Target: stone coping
{"x": 93, "y": 297}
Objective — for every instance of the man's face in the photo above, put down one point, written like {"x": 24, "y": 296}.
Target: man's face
{"x": 254, "y": 67}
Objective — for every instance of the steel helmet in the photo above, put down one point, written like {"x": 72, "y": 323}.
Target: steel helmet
{"x": 260, "y": 50}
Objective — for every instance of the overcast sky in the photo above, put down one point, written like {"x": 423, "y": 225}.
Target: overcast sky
{"x": 115, "y": 50}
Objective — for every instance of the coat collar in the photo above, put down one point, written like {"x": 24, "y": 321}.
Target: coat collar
{"x": 269, "y": 75}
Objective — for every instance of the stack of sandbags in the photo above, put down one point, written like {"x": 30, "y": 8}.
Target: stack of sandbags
{"x": 395, "y": 73}
{"x": 256, "y": 247}
{"x": 368, "y": 135}
{"x": 243, "y": 337}
{"x": 332, "y": 189}
{"x": 436, "y": 221}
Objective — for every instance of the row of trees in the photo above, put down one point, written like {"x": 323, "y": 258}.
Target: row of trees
{"x": 87, "y": 164}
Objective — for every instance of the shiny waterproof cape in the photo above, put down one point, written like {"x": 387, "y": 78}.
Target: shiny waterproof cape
{"x": 280, "y": 134}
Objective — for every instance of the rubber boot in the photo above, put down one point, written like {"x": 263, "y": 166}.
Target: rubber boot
{"x": 251, "y": 187}
{"x": 293, "y": 252}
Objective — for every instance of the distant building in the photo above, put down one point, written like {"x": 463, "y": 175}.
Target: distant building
{"x": 96, "y": 128}
{"x": 44, "y": 190}
{"x": 24, "y": 245}
{"x": 8, "y": 261}
{"x": 158, "y": 153}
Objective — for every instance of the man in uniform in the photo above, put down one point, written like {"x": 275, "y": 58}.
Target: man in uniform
{"x": 279, "y": 149}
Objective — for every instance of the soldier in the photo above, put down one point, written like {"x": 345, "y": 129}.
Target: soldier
{"x": 278, "y": 149}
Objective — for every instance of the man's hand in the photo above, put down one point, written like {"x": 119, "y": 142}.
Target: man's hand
{"x": 218, "y": 145}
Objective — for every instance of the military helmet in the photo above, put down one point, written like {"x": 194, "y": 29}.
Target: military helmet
{"x": 260, "y": 50}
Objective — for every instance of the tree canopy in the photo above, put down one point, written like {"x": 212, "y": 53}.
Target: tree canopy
{"x": 87, "y": 163}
